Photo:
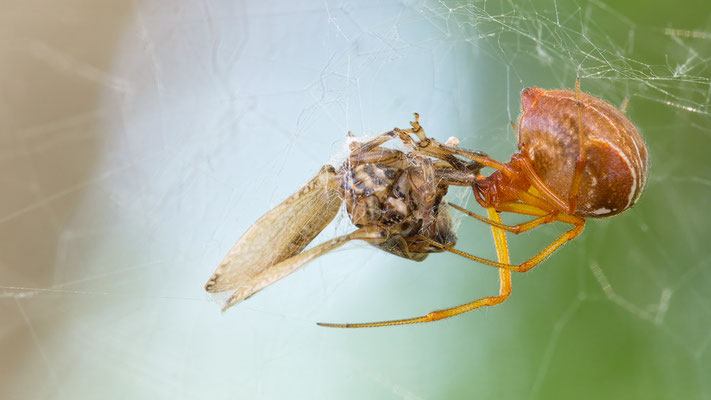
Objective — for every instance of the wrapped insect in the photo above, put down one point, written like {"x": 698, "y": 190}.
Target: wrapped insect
{"x": 394, "y": 198}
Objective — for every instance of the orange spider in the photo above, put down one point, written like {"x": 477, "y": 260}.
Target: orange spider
{"x": 579, "y": 157}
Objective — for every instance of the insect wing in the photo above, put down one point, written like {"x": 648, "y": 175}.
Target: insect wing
{"x": 281, "y": 233}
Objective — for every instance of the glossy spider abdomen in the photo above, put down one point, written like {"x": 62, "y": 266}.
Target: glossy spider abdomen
{"x": 615, "y": 155}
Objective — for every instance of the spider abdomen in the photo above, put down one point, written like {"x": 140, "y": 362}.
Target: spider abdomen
{"x": 616, "y": 156}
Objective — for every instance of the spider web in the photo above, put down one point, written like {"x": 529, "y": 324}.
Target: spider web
{"x": 140, "y": 140}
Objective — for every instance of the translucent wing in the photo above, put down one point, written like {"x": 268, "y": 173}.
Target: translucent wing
{"x": 372, "y": 234}
{"x": 281, "y": 233}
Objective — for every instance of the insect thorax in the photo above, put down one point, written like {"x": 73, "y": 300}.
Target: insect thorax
{"x": 403, "y": 197}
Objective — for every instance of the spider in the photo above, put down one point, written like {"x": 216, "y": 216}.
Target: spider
{"x": 579, "y": 157}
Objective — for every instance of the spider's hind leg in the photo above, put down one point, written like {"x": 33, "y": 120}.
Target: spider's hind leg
{"x": 582, "y": 157}
{"x": 502, "y": 252}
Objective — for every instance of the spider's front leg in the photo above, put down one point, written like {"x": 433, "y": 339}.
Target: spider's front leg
{"x": 429, "y": 147}
{"x": 366, "y": 150}
{"x": 502, "y": 252}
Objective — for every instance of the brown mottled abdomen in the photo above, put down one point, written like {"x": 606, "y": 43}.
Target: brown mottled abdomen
{"x": 616, "y": 168}
{"x": 404, "y": 197}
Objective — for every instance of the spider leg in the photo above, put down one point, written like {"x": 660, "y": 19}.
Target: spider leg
{"x": 502, "y": 252}
{"x": 432, "y": 148}
{"x": 578, "y": 225}
{"x": 525, "y": 166}
{"x": 582, "y": 158}
{"x": 516, "y": 229}
{"x": 371, "y": 152}
{"x": 566, "y": 205}
{"x": 403, "y": 134}
{"x": 416, "y": 129}
{"x": 358, "y": 148}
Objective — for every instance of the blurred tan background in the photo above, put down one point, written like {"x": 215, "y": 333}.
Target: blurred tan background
{"x": 56, "y": 63}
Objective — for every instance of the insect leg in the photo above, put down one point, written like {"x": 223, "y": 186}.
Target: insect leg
{"x": 378, "y": 155}
{"x": 358, "y": 148}
{"x": 278, "y": 271}
{"x": 570, "y": 204}
{"x": 361, "y": 148}
{"x": 502, "y": 252}
{"x": 431, "y": 147}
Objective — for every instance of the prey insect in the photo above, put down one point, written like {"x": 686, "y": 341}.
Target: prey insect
{"x": 394, "y": 198}
{"x": 579, "y": 157}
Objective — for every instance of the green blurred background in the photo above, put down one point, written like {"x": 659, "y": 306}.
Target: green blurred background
{"x": 138, "y": 141}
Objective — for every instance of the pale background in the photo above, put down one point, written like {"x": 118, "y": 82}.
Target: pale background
{"x": 139, "y": 140}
